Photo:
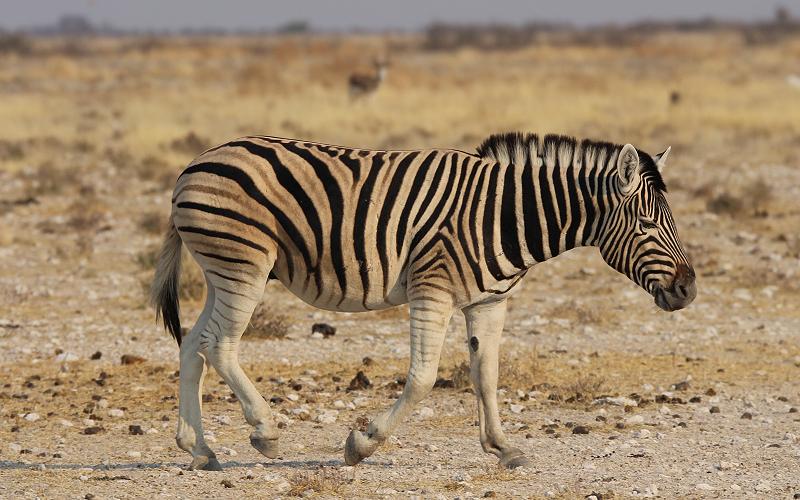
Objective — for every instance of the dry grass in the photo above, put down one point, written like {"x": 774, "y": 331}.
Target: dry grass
{"x": 322, "y": 481}
{"x": 267, "y": 324}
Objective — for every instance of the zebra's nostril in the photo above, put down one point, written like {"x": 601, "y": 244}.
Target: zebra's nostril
{"x": 682, "y": 289}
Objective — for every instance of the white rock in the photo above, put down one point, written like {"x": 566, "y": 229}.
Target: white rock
{"x": 339, "y": 404}
{"x": 426, "y": 412}
{"x": 641, "y": 434}
{"x": 135, "y": 454}
{"x": 32, "y": 417}
{"x": 516, "y": 408}
{"x": 726, "y": 465}
{"x": 67, "y": 356}
{"x": 228, "y": 451}
{"x": 16, "y": 448}
{"x": 65, "y": 423}
{"x": 462, "y": 477}
{"x": 317, "y": 335}
{"x": 209, "y": 436}
{"x": 385, "y": 491}
{"x": 103, "y": 403}
{"x": 635, "y": 419}
{"x": 704, "y": 487}
{"x": 616, "y": 401}
{"x": 763, "y": 487}
{"x": 116, "y": 412}
{"x": 83, "y": 478}
{"x": 328, "y": 417}
{"x": 222, "y": 419}
{"x": 153, "y": 430}
{"x": 736, "y": 487}
{"x": 360, "y": 401}
{"x": 431, "y": 447}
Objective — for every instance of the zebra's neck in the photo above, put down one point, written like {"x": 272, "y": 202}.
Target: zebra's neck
{"x": 565, "y": 199}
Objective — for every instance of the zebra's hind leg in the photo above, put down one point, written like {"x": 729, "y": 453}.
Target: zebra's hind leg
{"x": 429, "y": 318}
{"x": 189, "y": 436}
{"x": 484, "y": 328}
{"x": 234, "y": 304}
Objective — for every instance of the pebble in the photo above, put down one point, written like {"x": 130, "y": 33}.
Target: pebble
{"x": 736, "y": 487}
{"x": 228, "y": 451}
{"x": 116, "y": 413}
{"x": 763, "y": 487}
{"x": 32, "y": 417}
{"x": 615, "y": 401}
{"x": 222, "y": 419}
{"x": 642, "y": 434}
{"x": 292, "y": 397}
{"x": 517, "y": 408}
{"x": 135, "y": 454}
{"x": 431, "y": 447}
{"x": 339, "y": 404}
{"x": 580, "y": 429}
{"x": 67, "y": 356}
{"x": 16, "y": 448}
{"x": 704, "y": 487}
{"x": 635, "y": 419}
{"x": 426, "y": 412}
{"x": 65, "y": 423}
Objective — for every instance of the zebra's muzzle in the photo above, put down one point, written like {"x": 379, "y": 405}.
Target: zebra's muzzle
{"x": 681, "y": 293}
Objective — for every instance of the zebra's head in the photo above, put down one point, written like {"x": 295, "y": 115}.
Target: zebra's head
{"x": 639, "y": 238}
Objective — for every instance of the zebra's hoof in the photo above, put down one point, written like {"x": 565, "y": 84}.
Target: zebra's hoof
{"x": 205, "y": 463}
{"x": 358, "y": 447}
{"x": 267, "y": 447}
{"x": 514, "y": 459}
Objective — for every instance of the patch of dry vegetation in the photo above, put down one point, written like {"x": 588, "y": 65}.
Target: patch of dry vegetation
{"x": 267, "y": 324}
{"x": 324, "y": 481}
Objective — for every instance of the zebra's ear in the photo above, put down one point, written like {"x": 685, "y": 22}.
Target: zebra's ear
{"x": 628, "y": 168}
{"x": 661, "y": 158}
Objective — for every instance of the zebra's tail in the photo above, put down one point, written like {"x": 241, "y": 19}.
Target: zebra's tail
{"x": 164, "y": 290}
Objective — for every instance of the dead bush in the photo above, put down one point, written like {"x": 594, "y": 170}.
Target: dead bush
{"x": 87, "y": 213}
{"x": 325, "y": 481}
{"x": 48, "y": 179}
{"x": 155, "y": 169}
{"x": 459, "y": 374}
{"x": 725, "y": 204}
{"x": 267, "y": 324}
{"x": 191, "y": 144}
{"x": 153, "y": 223}
{"x": 15, "y": 43}
{"x": 757, "y": 195}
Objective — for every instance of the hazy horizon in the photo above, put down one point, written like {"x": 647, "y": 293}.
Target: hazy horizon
{"x": 152, "y": 15}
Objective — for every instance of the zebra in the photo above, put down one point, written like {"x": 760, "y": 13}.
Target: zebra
{"x": 349, "y": 229}
{"x": 362, "y": 85}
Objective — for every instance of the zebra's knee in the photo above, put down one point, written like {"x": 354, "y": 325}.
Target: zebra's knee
{"x": 418, "y": 386}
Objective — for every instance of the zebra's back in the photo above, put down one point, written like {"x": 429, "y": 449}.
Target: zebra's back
{"x": 341, "y": 224}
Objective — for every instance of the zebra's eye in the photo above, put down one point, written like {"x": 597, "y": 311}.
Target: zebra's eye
{"x": 647, "y": 224}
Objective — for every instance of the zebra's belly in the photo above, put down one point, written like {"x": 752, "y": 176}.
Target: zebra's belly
{"x": 330, "y": 296}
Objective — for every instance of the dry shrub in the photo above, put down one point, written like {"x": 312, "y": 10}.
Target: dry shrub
{"x": 48, "y": 179}
{"x": 152, "y": 223}
{"x": 190, "y": 143}
{"x": 87, "y": 213}
{"x": 757, "y": 194}
{"x": 11, "y": 150}
{"x": 155, "y": 169}
{"x": 578, "y": 313}
{"x": 459, "y": 374}
{"x": 725, "y": 204}
{"x": 15, "y": 43}
{"x": 267, "y": 324}
{"x": 326, "y": 481}
{"x": 520, "y": 372}
{"x": 584, "y": 389}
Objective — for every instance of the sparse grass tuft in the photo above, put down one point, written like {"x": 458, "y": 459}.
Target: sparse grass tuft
{"x": 267, "y": 324}
{"x": 327, "y": 481}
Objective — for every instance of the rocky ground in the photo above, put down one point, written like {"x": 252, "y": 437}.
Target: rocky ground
{"x": 608, "y": 395}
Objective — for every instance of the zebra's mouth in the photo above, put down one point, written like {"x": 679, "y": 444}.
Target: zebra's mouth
{"x": 674, "y": 300}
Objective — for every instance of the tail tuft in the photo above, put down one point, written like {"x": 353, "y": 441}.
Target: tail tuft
{"x": 164, "y": 290}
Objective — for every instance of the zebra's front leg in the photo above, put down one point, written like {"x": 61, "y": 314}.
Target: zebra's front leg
{"x": 484, "y": 329}
{"x": 429, "y": 318}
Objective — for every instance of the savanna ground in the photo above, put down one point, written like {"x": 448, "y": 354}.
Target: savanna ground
{"x": 607, "y": 394}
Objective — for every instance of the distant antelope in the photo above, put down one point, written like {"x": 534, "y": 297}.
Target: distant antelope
{"x": 362, "y": 85}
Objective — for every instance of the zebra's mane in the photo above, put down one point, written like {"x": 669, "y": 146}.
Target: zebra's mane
{"x": 520, "y": 148}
